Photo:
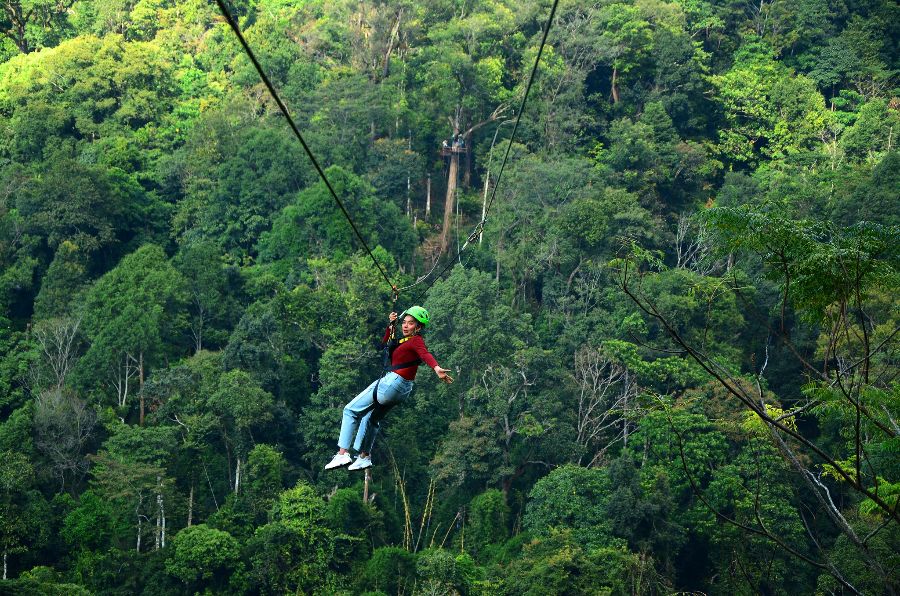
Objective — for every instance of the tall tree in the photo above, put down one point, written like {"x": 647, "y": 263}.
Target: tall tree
{"x": 133, "y": 316}
{"x": 30, "y": 24}
{"x": 769, "y": 112}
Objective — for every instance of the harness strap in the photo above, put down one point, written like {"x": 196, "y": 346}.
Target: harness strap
{"x": 394, "y": 368}
{"x": 403, "y": 365}
{"x": 388, "y": 351}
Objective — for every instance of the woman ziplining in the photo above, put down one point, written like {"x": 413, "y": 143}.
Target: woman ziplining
{"x": 479, "y": 228}
{"x": 363, "y": 414}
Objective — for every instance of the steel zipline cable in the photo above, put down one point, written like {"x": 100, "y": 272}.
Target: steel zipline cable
{"x": 479, "y": 228}
{"x": 537, "y": 61}
{"x": 265, "y": 79}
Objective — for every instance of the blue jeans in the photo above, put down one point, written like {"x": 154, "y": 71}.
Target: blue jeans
{"x": 362, "y": 416}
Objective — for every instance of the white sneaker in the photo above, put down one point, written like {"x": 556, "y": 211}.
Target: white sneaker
{"x": 361, "y": 463}
{"x": 338, "y": 461}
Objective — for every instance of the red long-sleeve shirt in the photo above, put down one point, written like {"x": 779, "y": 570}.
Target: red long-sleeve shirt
{"x": 407, "y": 351}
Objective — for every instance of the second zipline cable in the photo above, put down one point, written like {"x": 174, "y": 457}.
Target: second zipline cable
{"x": 265, "y": 79}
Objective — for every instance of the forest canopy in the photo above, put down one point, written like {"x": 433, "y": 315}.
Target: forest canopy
{"x": 674, "y": 327}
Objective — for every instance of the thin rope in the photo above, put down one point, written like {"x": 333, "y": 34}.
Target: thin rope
{"x": 422, "y": 278}
{"x": 265, "y": 79}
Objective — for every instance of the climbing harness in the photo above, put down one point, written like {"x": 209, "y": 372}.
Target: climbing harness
{"x": 388, "y": 350}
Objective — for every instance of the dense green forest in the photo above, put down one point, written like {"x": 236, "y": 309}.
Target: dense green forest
{"x": 676, "y": 342}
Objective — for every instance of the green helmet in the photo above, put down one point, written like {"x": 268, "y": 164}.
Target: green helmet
{"x": 419, "y": 314}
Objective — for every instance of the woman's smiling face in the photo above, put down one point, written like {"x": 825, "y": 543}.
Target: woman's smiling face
{"x": 409, "y": 325}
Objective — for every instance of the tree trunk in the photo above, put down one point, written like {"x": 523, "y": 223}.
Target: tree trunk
{"x": 428, "y": 197}
{"x": 467, "y": 174}
{"x": 614, "y": 91}
{"x": 141, "y": 383}
{"x": 228, "y": 463}
{"x": 16, "y": 32}
{"x": 138, "y": 549}
{"x": 122, "y": 376}
{"x": 450, "y": 200}
{"x": 158, "y": 533}
{"x": 366, "y": 480}
{"x": 487, "y": 183}
{"x": 499, "y": 249}
{"x": 197, "y": 328}
{"x": 190, "y": 505}
{"x": 237, "y": 476}
{"x": 412, "y": 260}
{"x": 625, "y": 414}
{"x": 159, "y": 539}
{"x": 4, "y": 564}
{"x": 162, "y": 511}
{"x": 386, "y": 62}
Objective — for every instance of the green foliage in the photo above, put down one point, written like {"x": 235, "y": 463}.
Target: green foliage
{"x": 13, "y": 366}
{"x": 84, "y": 87}
{"x": 746, "y": 491}
{"x": 276, "y": 563}
{"x": 33, "y": 24}
{"x": 648, "y": 158}
{"x": 296, "y": 550}
{"x": 559, "y": 565}
{"x": 391, "y": 165}
{"x": 883, "y": 546}
{"x": 873, "y": 199}
{"x": 702, "y": 309}
{"x": 471, "y": 326}
{"x": 204, "y": 556}
{"x": 131, "y": 316}
{"x": 184, "y": 310}
{"x": 258, "y": 345}
{"x": 90, "y": 207}
{"x": 442, "y": 571}
{"x": 315, "y": 226}
{"x": 359, "y": 525}
{"x": 43, "y": 580}
{"x": 265, "y": 474}
{"x": 234, "y": 176}
{"x": 826, "y": 264}
{"x": 686, "y": 445}
{"x": 575, "y": 499}
{"x": 240, "y": 405}
{"x": 16, "y": 430}
{"x": 65, "y": 277}
{"x": 488, "y": 520}
{"x": 769, "y": 112}
{"x": 636, "y": 511}
{"x": 15, "y": 476}
{"x": 390, "y": 570}
{"x": 94, "y": 523}
{"x": 872, "y": 133}
{"x": 662, "y": 373}
{"x": 211, "y": 287}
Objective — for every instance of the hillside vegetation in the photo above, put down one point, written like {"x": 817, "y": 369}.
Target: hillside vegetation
{"x": 676, "y": 343}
